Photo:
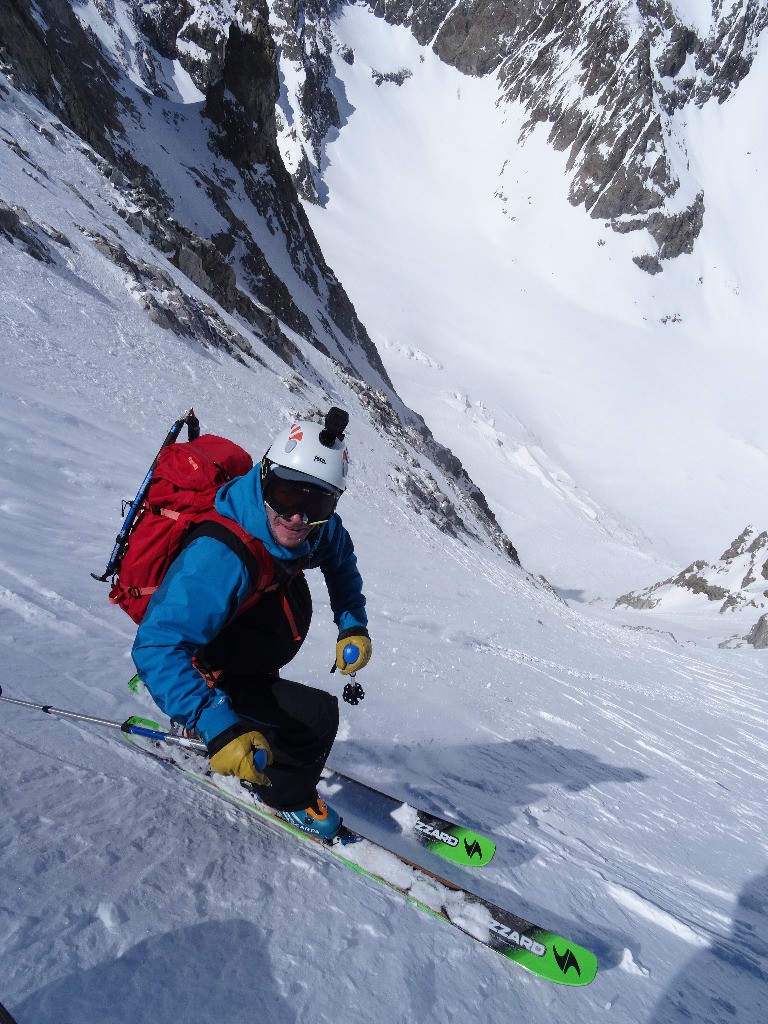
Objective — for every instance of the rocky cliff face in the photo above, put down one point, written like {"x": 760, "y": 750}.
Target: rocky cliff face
{"x": 47, "y": 57}
{"x": 609, "y": 79}
{"x": 308, "y": 119}
{"x": 112, "y": 76}
{"x": 736, "y": 582}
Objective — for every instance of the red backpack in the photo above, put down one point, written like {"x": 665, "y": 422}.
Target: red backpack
{"x": 181, "y": 494}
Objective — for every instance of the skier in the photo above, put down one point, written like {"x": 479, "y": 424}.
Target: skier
{"x": 213, "y": 638}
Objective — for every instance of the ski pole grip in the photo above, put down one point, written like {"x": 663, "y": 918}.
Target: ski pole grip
{"x": 260, "y": 760}
{"x": 353, "y": 692}
{"x": 350, "y": 654}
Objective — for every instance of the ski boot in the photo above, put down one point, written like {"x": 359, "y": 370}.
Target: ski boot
{"x": 318, "y": 820}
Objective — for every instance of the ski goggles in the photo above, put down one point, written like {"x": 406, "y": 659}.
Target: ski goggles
{"x": 295, "y": 497}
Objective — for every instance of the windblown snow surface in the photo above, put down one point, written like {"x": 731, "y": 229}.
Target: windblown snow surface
{"x": 618, "y": 760}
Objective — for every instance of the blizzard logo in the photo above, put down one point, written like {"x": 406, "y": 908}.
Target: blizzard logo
{"x": 434, "y": 833}
{"x": 523, "y": 941}
{"x": 566, "y": 960}
{"x": 473, "y": 849}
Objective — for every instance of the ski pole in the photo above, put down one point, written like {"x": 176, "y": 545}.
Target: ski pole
{"x": 133, "y": 727}
{"x": 127, "y": 726}
{"x": 193, "y": 431}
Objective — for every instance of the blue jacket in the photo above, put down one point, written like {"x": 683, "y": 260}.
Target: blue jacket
{"x": 202, "y": 591}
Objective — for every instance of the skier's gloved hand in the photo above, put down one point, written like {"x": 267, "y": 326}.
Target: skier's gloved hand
{"x": 231, "y": 753}
{"x": 354, "y": 637}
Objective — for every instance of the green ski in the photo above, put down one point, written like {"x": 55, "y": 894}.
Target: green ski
{"x": 446, "y": 839}
{"x": 537, "y": 949}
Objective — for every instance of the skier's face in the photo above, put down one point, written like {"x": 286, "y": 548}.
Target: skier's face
{"x": 289, "y": 531}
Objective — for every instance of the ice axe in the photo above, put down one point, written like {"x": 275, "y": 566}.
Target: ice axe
{"x": 193, "y": 431}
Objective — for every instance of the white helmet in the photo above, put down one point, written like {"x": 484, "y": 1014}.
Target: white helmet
{"x": 311, "y": 452}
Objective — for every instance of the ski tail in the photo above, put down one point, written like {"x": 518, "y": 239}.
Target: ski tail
{"x": 446, "y": 839}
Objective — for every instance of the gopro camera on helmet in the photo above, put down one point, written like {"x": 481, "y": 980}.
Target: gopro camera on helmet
{"x": 336, "y": 421}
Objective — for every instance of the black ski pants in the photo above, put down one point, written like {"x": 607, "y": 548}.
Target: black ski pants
{"x": 300, "y": 724}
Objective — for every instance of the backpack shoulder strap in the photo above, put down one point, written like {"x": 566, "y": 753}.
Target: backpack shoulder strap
{"x": 266, "y": 574}
{"x": 259, "y": 564}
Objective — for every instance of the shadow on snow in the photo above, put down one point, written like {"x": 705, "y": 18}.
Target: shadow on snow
{"x": 728, "y": 982}
{"x": 486, "y": 787}
{"x": 209, "y": 972}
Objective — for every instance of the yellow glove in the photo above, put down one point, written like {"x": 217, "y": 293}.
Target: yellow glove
{"x": 353, "y": 650}
{"x": 235, "y": 756}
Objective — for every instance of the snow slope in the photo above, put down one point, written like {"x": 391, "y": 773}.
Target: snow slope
{"x": 622, "y": 771}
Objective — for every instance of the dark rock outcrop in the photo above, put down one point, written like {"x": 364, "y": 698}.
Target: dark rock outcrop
{"x": 607, "y": 79}
{"x": 62, "y": 66}
{"x": 241, "y": 100}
